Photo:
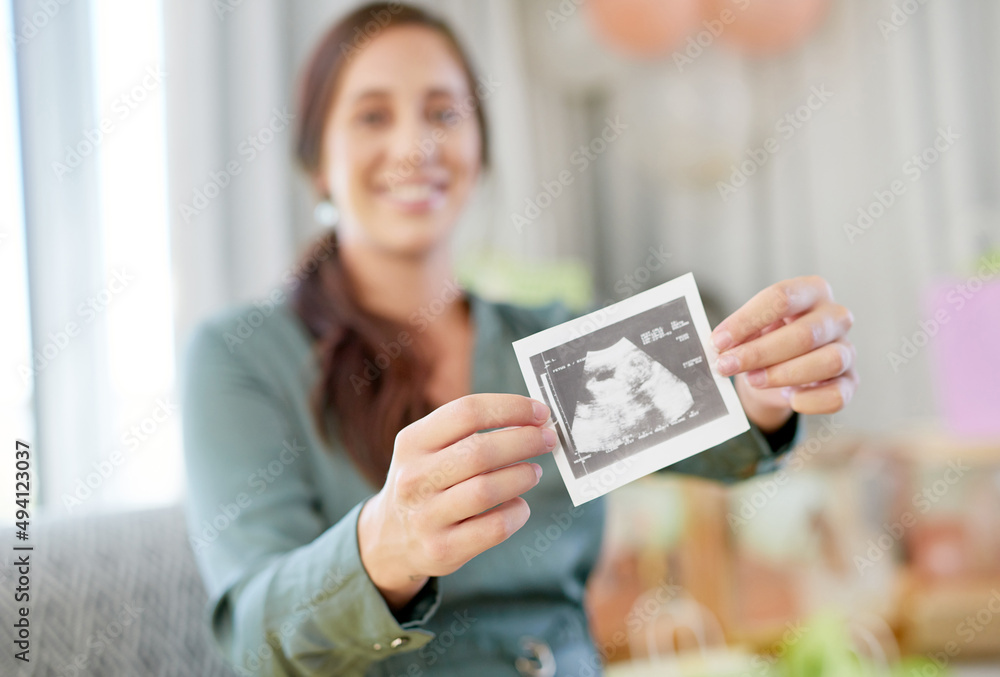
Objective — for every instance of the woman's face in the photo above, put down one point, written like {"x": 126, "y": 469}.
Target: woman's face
{"x": 401, "y": 149}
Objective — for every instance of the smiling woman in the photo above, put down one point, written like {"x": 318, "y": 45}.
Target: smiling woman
{"x": 397, "y": 150}
{"x": 400, "y": 526}
{"x": 395, "y": 135}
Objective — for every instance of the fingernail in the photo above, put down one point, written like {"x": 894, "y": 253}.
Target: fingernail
{"x": 538, "y": 471}
{"x": 757, "y": 378}
{"x": 549, "y": 437}
{"x": 541, "y": 411}
{"x": 727, "y": 365}
{"x": 722, "y": 339}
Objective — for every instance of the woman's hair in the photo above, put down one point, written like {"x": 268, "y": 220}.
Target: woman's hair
{"x": 370, "y": 382}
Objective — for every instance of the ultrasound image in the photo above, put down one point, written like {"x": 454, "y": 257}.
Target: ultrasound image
{"x": 628, "y": 396}
{"x": 628, "y": 386}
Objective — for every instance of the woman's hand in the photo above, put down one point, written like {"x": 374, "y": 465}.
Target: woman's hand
{"x": 789, "y": 350}
{"x": 452, "y": 493}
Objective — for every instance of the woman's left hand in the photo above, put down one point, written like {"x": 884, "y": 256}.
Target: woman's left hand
{"x": 789, "y": 350}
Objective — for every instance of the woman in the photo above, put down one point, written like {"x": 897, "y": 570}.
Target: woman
{"x": 346, "y": 515}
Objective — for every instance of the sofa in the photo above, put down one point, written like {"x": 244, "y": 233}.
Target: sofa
{"x": 115, "y": 594}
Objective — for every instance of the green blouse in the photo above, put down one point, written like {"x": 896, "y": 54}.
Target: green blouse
{"x": 272, "y": 516}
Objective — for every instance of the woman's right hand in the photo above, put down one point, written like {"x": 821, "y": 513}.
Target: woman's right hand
{"x": 452, "y": 493}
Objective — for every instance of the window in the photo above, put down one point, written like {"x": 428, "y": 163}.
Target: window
{"x": 16, "y": 384}
{"x": 106, "y": 419}
{"x": 137, "y": 302}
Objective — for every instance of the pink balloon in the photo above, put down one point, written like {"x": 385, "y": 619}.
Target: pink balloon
{"x": 643, "y": 28}
{"x": 767, "y": 26}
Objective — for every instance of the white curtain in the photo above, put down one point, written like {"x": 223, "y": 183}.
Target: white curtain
{"x": 232, "y": 64}
{"x": 63, "y": 247}
{"x": 889, "y": 96}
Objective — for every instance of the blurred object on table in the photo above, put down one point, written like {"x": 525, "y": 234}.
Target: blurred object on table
{"x": 897, "y": 535}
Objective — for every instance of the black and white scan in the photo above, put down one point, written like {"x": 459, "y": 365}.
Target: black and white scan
{"x": 628, "y": 386}
{"x": 632, "y": 388}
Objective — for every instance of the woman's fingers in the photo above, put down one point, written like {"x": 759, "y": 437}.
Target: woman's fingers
{"x": 814, "y": 329}
{"x": 428, "y": 474}
{"x": 452, "y": 491}
{"x": 483, "y": 492}
{"x": 826, "y": 397}
{"x": 460, "y": 418}
{"x": 485, "y": 530}
{"x": 824, "y": 363}
{"x": 780, "y": 300}
{"x": 790, "y": 336}
{"x": 483, "y": 452}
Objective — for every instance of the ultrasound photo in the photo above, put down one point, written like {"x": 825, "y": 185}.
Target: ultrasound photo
{"x": 631, "y": 388}
{"x": 628, "y": 386}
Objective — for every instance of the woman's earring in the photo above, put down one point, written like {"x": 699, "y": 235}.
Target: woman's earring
{"x": 326, "y": 214}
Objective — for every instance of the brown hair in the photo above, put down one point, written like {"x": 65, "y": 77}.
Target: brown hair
{"x": 372, "y": 394}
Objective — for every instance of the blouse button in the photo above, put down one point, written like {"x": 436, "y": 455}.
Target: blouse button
{"x": 540, "y": 663}
{"x": 398, "y": 642}
{"x": 377, "y": 646}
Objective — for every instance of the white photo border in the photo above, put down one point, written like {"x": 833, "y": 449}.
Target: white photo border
{"x": 658, "y": 456}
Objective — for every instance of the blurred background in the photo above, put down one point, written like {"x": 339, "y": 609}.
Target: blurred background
{"x": 146, "y": 181}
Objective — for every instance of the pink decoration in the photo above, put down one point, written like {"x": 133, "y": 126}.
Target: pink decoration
{"x": 643, "y": 28}
{"x": 766, "y": 26}
{"x": 966, "y": 353}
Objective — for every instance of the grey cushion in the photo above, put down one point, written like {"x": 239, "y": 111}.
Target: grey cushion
{"x": 110, "y": 595}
